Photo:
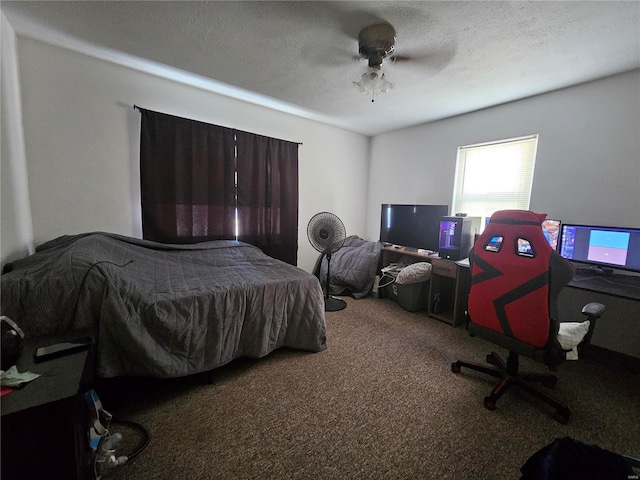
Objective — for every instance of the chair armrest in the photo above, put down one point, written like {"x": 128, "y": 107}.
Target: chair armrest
{"x": 593, "y": 310}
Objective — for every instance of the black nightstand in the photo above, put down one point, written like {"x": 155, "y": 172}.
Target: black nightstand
{"x": 45, "y": 423}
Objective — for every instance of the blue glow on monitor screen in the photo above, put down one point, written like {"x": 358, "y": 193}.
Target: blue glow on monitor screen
{"x": 606, "y": 246}
{"x": 609, "y": 247}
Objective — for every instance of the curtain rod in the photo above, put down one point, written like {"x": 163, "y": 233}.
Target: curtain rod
{"x": 136, "y": 107}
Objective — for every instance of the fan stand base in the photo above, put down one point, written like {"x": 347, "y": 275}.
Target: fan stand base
{"x": 332, "y": 304}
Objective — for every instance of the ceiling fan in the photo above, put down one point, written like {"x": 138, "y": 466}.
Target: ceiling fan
{"x": 375, "y": 43}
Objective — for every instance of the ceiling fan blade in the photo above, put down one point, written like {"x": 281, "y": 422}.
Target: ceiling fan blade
{"x": 352, "y": 22}
{"x": 401, "y": 58}
{"x": 437, "y": 59}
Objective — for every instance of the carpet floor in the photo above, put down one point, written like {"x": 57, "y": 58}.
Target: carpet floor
{"x": 380, "y": 403}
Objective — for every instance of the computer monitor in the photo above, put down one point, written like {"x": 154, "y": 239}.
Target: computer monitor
{"x": 414, "y": 226}
{"x": 603, "y": 247}
{"x": 551, "y": 231}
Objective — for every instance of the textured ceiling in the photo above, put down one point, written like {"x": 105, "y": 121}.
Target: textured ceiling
{"x": 302, "y": 56}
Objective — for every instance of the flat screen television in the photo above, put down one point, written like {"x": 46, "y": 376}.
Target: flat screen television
{"x": 606, "y": 248}
{"x": 413, "y": 226}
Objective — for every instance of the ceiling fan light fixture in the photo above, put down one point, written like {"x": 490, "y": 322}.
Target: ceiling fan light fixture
{"x": 373, "y": 82}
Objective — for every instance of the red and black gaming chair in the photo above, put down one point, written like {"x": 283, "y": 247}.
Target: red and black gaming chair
{"x": 516, "y": 279}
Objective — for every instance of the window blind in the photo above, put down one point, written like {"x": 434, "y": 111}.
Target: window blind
{"x": 494, "y": 176}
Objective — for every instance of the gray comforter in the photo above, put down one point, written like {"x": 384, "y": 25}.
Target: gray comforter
{"x": 353, "y": 268}
{"x": 165, "y": 310}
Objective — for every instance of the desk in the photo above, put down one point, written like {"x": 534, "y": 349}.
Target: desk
{"x": 405, "y": 255}
{"x": 45, "y": 422}
{"x": 450, "y": 280}
{"x": 623, "y": 286}
{"x": 618, "y": 330}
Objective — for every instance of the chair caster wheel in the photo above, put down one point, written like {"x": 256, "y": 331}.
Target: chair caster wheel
{"x": 490, "y": 359}
{"x": 561, "y": 417}
{"x": 489, "y": 403}
{"x": 455, "y": 368}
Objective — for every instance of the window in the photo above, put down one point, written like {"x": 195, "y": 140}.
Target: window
{"x": 203, "y": 182}
{"x": 494, "y": 176}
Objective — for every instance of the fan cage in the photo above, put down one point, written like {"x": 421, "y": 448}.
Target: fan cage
{"x": 326, "y": 232}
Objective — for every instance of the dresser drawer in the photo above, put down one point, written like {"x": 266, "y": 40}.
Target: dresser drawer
{"x": 445, "y": 268}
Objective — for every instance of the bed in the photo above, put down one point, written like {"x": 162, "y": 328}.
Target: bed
{"x": 163, "y": 311}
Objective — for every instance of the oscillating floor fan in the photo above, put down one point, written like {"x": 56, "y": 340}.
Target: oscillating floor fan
{"x": 327, "y": 234}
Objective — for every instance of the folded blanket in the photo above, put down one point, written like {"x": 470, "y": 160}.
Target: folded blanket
{"x": 353, "y": 268}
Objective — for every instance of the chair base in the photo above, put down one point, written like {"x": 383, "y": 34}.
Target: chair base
{"x": 509, "y": 376}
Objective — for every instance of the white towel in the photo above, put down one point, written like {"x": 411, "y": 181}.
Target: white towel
{"x": 570, "y": 334}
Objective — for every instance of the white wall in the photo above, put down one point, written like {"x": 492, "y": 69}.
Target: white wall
{"x": 82, "y": 145}
{"x": 588, "y": 161}
{"x": 15, "y": 217}
{"x": 82, "y": 139}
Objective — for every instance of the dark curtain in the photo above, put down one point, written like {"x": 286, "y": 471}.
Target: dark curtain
{"x": 187, "y": 179}
{"x": 268, "y": 195}
{"x": 188, "y": 185}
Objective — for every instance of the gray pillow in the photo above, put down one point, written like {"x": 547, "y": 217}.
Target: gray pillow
{"x": 414, "y": 273}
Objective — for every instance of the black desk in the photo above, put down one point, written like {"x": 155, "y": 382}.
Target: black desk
{"x": 623, "y": 286}
{"x": 45, "y": 422}
{"x": 617, "y": 333}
